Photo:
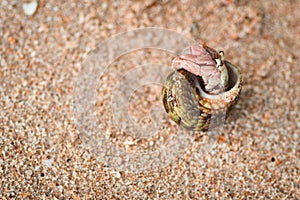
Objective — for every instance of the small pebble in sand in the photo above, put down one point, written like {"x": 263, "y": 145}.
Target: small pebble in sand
{"x": 30, "y": 8}
{"x": 28, "y": 172}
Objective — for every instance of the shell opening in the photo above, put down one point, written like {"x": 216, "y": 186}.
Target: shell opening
{"x": 234, "y": 80}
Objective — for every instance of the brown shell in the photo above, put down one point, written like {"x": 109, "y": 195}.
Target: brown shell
{"x": 191, "y": 107}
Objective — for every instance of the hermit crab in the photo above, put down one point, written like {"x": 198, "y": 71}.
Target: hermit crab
{"x": 202, "y": 89}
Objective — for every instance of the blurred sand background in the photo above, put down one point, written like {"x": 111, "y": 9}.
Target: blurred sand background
{"x": 257, "y": 155}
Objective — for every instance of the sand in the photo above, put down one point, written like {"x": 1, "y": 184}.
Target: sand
{"x": 46, "y": 154}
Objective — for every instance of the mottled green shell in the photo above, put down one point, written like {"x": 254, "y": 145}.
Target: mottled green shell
{"x": 187, "y": 107}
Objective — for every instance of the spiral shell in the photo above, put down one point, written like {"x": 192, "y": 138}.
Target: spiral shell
{"x": 189, "y": 105}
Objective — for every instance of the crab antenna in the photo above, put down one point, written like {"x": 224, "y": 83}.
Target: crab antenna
{"x": 222, "y": 56}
